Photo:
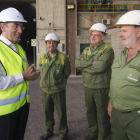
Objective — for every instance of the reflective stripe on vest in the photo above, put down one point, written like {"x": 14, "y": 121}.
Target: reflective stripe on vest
{"x": 14, "y": 99}
{"x": 14, "y": 63}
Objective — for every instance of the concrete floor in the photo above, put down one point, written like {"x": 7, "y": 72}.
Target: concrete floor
{"x": 76, "y": 111}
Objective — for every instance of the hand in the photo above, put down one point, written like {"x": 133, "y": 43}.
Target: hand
{"x": 31, "y": 69}
{"x": 30, "y": 74}
{"x": 82, "y": 58}
{"x": 110, "y": 109}
{"x": 93, "y": 62}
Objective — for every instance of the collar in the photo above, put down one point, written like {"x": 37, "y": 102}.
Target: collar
{"x": 47, "y": 55}
{"x": 100, "y": 46}
{"x": 125, "y": 50}
{"x": 7, "y": 42}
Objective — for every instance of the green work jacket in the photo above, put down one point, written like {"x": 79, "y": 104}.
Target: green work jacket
{"x": 96, "y": 75}
{"x": 54, "y": 72}
{"x": 125, "y": 82}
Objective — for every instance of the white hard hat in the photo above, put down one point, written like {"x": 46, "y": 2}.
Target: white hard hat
{"x": 99, "y": 27}
{"x": 130, "y": 18}
{"x": 11, "y": 15}
{"x": 52, "y": 36}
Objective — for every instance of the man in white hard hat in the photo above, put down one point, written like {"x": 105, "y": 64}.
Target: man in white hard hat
{"x": 95, "y": 63}
{"x": 55, "y": 70}
{"x": 14, "y": 77}
{"x": 124, "y": 104}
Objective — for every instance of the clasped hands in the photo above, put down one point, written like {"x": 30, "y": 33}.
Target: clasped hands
{"x": 30, "y": 74}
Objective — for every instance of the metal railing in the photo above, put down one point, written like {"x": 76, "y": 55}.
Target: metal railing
{"x": 107, "y": 7}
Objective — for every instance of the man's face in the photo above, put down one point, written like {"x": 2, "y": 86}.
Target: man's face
{"x": 128, "y": 35}
{"x": 96, "y": 38}
{"x": 52, "y": 46}
{"x": 12, "y": 31}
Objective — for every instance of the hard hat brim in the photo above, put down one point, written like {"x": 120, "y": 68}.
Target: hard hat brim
{"x": 14, "y": 21}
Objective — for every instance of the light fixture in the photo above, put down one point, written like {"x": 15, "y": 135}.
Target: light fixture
{"x": 70, "y": 6}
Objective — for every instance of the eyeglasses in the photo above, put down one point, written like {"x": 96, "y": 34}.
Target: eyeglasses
{"x": 15, "y": 26}
{"x": 52, "y": 42}
{"x": 95, "y": 35}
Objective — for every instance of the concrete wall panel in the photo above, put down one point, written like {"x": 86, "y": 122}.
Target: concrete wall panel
{"x": 52, "y": 12}
{"x": 116, "y": 42}
{"x": 44, "y": 32}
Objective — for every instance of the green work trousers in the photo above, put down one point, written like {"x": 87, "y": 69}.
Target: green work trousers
{"x": 59, "y": 101}
{"x": 97, "y": 116}
{"x": 126, "y": 125}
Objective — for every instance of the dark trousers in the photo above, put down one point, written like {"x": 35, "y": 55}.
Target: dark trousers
{"x": 12, "y": 126}
{"x": 97, "y": 116}
{"x": 59, "y": 101}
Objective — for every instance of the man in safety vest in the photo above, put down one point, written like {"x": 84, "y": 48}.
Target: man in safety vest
{"x": 95, "y": 63}
{"x": 14, "y": 77}
{"x": 55, "y": 70}
{"x": 124, "y": 103}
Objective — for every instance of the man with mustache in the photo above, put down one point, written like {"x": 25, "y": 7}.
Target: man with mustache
{"x": 14, "y": 77}
{"x": 124, "y": 103}
{"x": 95, "y": 63}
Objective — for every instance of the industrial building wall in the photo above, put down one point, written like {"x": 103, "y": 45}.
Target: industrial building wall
{"x": 85, "y": 21}
{"x": 53, "y": 16}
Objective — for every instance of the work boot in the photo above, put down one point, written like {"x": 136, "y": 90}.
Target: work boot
{"x": 90, "y": 138}
{"x": 45, "y": 136}
{"x": 64, "y": 138}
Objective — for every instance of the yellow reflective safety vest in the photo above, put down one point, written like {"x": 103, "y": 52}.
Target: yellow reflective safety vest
{"x": 13, "y": 63}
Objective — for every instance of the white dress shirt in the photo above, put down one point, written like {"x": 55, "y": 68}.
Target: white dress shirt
{"x": 10, "y": 81}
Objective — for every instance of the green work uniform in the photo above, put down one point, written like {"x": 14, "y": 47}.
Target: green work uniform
{"x": 54, "y": 74}
{"x": 125, "y": 96}
{"x": 96, "y": 79}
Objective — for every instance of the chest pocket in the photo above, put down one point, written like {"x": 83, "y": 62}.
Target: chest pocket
{"x": 43, "y": 68}
{"x": 115, "y": 68}
{"x": 133, "y": 74}
{"x": 58, "y": 72}
{"x": 96, "y": 56}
